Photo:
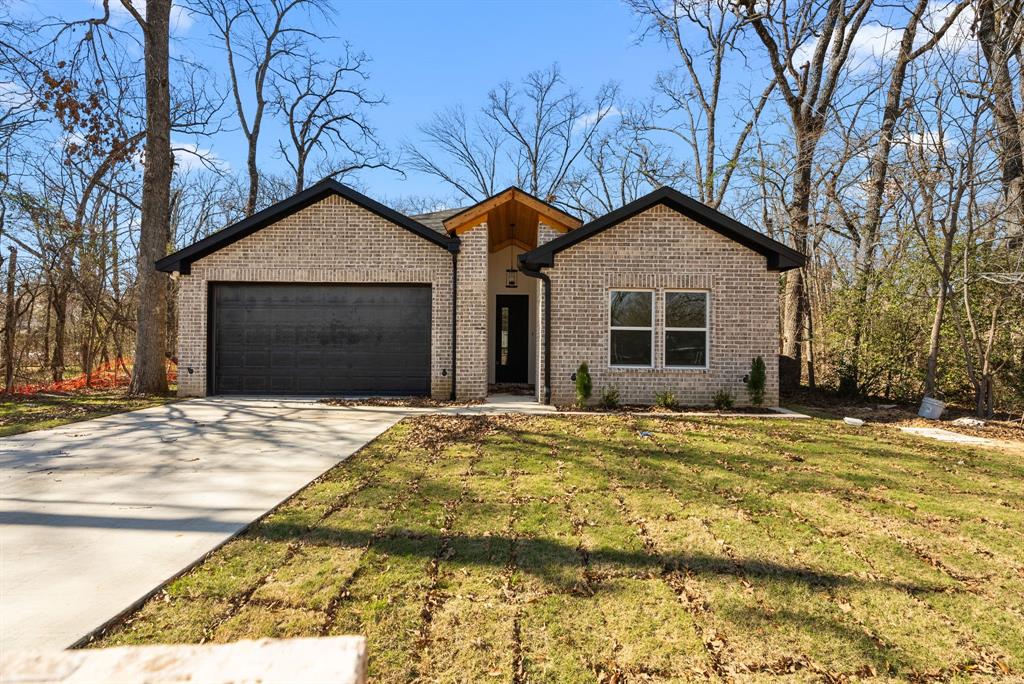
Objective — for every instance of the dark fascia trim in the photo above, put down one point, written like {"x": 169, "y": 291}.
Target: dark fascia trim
{"x": 181, "y": 260}
{"x": 517, "y": 189}
{"x": 779, "y": 256}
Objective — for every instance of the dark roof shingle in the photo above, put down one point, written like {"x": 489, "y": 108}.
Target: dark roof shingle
{"x": 435, "y": 219}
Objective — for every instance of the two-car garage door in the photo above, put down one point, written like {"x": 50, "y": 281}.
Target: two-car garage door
{"x": 319, "y": 339}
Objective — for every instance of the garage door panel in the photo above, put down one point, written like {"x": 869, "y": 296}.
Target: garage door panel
{"x": 320, "y": 339}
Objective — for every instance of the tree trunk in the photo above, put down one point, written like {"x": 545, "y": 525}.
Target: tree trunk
{"x": 254, "y": 178}
{"x": 10, "y": 322}
{"x": 799, "y": 218}
{"x": 59, "y": 302}
{"x": 940, "y": 309}
{"x": 149, "y": 375}
{"x": 997, "y": 44}
{"x": 933, "y": 341}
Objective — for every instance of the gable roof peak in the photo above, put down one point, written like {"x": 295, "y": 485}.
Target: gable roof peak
{"x": 780, "y": 257}
{"x": 471, "y": 214}
{"x": 181, "y": 260}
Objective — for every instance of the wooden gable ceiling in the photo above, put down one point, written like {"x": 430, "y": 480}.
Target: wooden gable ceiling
{"x": 512, "y": 218}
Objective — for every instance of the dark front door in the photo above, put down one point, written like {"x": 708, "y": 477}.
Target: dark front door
{"x": 319, "y": 339}
{"x": 512, "y": 338}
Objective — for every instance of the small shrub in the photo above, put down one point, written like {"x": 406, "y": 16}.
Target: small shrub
{"x": 584, "y": 385}
{"x": 666, "y": 400}
{"x": 723, "y": 400}
{"x": 846, "y": 371}
{"x": 756, "y": 381}
{"x": 609, "y": 398}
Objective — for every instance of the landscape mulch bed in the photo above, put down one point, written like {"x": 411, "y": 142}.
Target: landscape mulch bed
{"x": 628, "y": 409}
{"x": 412, "y": 402}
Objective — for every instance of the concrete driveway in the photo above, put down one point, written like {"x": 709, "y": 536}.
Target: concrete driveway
{"x": 94, "y": 515}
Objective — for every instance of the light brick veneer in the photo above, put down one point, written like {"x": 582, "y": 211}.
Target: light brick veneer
{"x": 471, "y": 319}
{"x": 660, "y": 249}
{"x": 544, "y": 234}
{"x": 332, "y": 241}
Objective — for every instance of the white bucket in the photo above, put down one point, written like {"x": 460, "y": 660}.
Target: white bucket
{"x": 931, "y": 408}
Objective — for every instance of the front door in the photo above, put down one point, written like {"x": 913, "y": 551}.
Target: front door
{"x": 512, "y": 335}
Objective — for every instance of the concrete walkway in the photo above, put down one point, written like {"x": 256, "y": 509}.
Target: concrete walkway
{"x": 94, "y": 515}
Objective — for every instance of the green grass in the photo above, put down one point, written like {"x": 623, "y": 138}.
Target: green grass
{"x": 38, "y": 412}
{"x": 612, "y": 548}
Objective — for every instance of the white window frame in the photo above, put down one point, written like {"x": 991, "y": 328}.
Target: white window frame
{"x": 706, "y": 330}
{"x": 654, "y": 298}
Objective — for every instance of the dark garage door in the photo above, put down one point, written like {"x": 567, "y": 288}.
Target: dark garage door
{"x": 320, "y": 339}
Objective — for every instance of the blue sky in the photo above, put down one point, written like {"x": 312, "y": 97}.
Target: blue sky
{"x": 430, "y": 55}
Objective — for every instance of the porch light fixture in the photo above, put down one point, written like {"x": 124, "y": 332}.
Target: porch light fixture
{"x": 512, "y": 272}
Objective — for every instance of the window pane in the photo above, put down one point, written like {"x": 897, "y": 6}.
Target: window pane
{"x": 631, "y": 309}
{"x": 631, "y": 348}
{"x": 685, "y": 348}
{"x": 685, "y": 309}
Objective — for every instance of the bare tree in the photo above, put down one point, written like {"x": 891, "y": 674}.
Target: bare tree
{"x": 149, "y": 374}
{"x": 693, "y": 91}
{"x": 257, "y": 38}
{"x": 617, "y": 167}
{"x": 530, "y": 134}
{"x": 1000, "y": 29}
{"x": 807, "y": 86}
{"x": 323, "y": 104}
{"x": 940, "y": 177}
{"x": 866, "y": 231}
{"x": 465, "y": 154}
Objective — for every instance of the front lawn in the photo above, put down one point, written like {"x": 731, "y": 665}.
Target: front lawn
{"x": 24, "y": 413}
{"x": 616, "y": 548}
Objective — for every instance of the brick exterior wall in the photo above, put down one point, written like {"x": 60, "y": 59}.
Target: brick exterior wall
{"x": 661, "y": 250}
{"x": 332, "y": 241}
{"x": 471, "y": 382}
{"x": 544, "y": 234}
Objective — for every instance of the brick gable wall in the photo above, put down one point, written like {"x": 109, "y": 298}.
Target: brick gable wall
{"x": 660, "y": 249}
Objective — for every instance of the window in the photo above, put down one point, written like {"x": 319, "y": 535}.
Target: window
{"x": 686, "y": 329}
{"x": 632, "y": 328}
{"x": 503, "y": 344}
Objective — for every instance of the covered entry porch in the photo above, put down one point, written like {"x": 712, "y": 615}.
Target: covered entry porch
{"x": 510, "y": 327}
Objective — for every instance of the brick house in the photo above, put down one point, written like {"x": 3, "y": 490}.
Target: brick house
{"x": 332, "y": 293}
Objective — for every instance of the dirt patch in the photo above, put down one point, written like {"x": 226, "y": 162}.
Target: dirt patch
{"x": 1003, "y": 427}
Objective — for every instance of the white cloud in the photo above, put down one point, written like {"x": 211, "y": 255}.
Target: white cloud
{"x": 927, "y": 139}
{"x": 14, "y": 96}
{"x": 875, "y": 41}
{"x": 959, "y": 37}
{"x": 590, "y": 118}
{"x": 189, "y": 156}
{"x": 181, "y": 18}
